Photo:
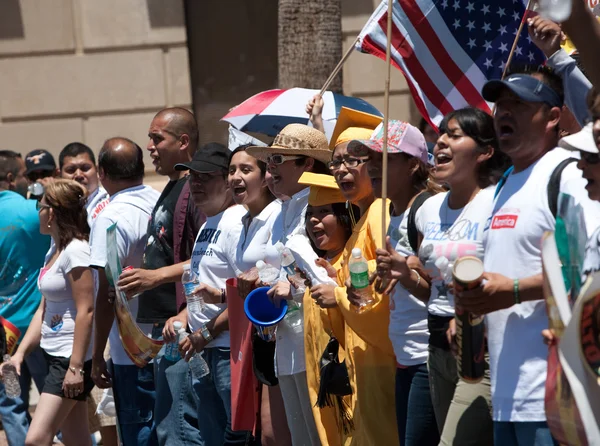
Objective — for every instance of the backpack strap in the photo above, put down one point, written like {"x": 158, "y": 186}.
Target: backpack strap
{"x": 554, "y": 185}
{"x": 413, "y": 232}
{"x": 502, "y": 180}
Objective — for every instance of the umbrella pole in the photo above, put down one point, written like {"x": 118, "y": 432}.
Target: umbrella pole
{"x": 514, "y": 46}
{"x": 386, "y": 117}
{"x": 338, "y": 67}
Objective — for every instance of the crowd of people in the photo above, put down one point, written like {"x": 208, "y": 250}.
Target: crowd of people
{"x": 348, "y": 365}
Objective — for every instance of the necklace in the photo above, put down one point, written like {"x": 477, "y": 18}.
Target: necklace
{"x": 456, "y": 230}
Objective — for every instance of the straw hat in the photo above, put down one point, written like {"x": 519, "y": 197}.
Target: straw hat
{"x": 295, "y": 139}
{"x": 323, "y": 189}
{"x": 349, "y": 117}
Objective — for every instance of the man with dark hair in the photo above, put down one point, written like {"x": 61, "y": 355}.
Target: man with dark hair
{"x": 77, "y": 162}
{"x": 22, "y": 251}
{"x": 528, "y": 110}
{"x": 40, "y": 168}
{"x": 172, "y": 228}
{"x": 121, "y": 171}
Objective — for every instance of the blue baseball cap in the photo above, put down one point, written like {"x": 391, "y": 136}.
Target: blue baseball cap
{"x": 524, "y": 86}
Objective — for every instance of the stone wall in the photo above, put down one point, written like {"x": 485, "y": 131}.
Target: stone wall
{"x": 85, "y": 70}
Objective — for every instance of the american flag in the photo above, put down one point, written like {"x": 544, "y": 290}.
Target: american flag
{"x": 448, "y": 49}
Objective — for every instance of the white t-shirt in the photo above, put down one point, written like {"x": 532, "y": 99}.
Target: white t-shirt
{"x": 130, "y": 209}
{"x": 96, "y": 202}
{"x": 408, "y": 315}
{"x": 450, "y": 234}
{"x": 211, "y": 261}
{"x": 518, "y": 357}
{"x": 58, "y": 326}
{"x": 255, "y": 241}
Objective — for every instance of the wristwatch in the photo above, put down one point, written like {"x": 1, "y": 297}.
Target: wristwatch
{"x": 205, "y": 332}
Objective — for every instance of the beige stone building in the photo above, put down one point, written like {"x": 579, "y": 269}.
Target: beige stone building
{"x": 86, "y": 70}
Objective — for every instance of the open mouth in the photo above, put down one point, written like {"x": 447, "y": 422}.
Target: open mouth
{"x": 442, "y": 158}
{"x": 506, "y": 131}
{"x": 276, "y": 178}
{"x": 238, "y": 190}
{"x": 346, "y": 185}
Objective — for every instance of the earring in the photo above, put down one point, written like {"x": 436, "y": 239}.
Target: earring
{"x": 49, "y": 225}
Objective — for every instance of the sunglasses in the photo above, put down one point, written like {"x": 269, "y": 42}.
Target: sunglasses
{"x": 590, "y": 158}
{"x": 334, "y": 165}
{"x": 39, "y": 206}
{"x": 280, "y": 159}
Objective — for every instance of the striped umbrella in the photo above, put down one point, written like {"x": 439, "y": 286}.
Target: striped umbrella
{"x": 270, "y": 111}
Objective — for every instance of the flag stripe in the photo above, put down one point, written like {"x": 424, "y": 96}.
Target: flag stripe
{"x": 429, "y": 35}
{"x": 425, "y": 106}
{"x": 413, "y": 65}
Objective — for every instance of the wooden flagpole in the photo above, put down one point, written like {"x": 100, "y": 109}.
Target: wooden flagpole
{"x": 386, "y": 118}
{"x": 338, "y": 67}
{"x": 514, "y": 46}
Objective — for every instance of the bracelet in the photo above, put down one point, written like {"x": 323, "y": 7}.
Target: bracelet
{"x": 74, "y": 370}
{"x": 418, "y": 277}
{"x": 223, "y": 296}
{"x": 516, "y": 291}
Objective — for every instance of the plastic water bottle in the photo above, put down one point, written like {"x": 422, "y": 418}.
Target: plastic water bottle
{"x": 288, "y": 262}
{"x": 359, "y": 276}
{"x": 172, "y": 348}
{"x": 190, "y": 282}
{"x": 555, "y": 10}
{"x": 197, "y": 363}
{"x": 10, "y": 378}
{"x": 267, "y": 273}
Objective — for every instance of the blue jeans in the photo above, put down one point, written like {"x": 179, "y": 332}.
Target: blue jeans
{"x": 134, "y": 400}
{"x": 175, "y": 408}
{"x": 214, "y": 401}
{"x": 14, "y": 412}
{"x": 414, "y": 409}
{"x": 533, "y": 433}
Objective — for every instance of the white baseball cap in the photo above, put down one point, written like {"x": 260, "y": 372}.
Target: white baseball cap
{"x": 583, "y": 140}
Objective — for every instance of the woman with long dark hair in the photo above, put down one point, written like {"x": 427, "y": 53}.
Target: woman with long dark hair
{"x": 451, "y": 225}
{"x": 62, "y": 326}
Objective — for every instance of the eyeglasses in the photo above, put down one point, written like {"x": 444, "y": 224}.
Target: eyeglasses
{"x": 590, "y": 158}
{"x": 280, "y": 159}
{"x": 348, "y": 162}
{"x": 39, "y": 206}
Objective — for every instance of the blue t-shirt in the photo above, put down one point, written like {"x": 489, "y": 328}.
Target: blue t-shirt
{"x": 22, "y": 251}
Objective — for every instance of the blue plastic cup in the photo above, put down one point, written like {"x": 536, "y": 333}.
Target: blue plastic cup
{"x": 263, "y": 314}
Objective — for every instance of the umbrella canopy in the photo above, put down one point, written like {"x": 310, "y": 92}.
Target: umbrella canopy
{"x": 270, "y": 111}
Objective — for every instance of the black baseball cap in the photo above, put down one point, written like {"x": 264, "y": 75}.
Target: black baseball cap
{"x": 524, "y": 86}
{"x": 212, "y": 157}
{"x": 39, "y": 159}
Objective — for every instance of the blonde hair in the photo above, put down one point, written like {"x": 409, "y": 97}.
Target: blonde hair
{"x": 67, "y": 199}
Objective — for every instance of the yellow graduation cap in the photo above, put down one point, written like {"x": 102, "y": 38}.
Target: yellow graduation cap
{"x": 353, "y": 124}
{"x": 323, "y": 189}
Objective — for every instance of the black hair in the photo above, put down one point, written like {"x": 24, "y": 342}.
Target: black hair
{"x": 423, "y": 124}
{"x": 342, "y": 214}
{"x": 261, "y": 164}
{"x": 479, "y": 126}
{"x": 318, "y": 166}
{"x": 72, "y": 150}
{"x": 9, "y": 163}
{"x": 549, "y": 77}
{"x": 121, "y": 166}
